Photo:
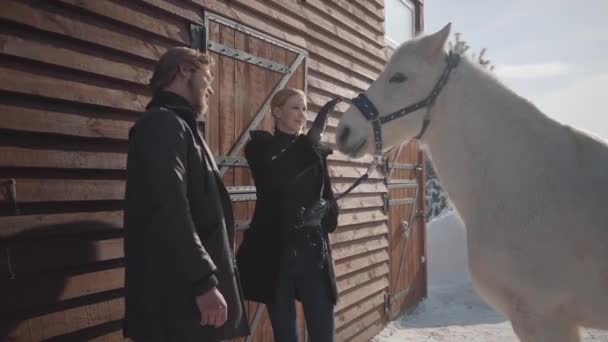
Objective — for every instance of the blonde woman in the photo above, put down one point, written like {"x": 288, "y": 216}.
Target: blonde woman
{"x": 286, "y": 254}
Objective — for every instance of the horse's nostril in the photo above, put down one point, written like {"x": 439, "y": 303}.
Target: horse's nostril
{"x": 343, "y": 134}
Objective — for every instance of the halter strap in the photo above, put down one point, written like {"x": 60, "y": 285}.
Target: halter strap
{"x": 370, "y": 112}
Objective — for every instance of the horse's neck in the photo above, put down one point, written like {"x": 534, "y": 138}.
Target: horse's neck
{"x": 476, "y": 125}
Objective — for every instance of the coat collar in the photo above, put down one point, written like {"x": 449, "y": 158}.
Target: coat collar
{"x": 176, "y": 103}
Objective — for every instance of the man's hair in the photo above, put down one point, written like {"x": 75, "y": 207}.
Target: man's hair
{"x": 168, "y": 65}
{"x": 281, "y": 97}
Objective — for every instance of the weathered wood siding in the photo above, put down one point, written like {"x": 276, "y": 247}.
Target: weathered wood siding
{"x": 73, "y": 78}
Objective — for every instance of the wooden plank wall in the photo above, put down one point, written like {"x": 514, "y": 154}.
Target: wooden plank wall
{"x": 73, "y": 79}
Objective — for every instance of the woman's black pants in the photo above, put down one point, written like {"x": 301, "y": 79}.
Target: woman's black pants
{"x": 301, "y": 274}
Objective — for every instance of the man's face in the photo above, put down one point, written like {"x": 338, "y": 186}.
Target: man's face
{"x": 200, "y": 88}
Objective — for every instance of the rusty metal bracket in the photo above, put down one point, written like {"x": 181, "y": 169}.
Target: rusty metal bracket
{"x": 246, "y": 57}
{"x": 242, "y": 193}
{"x": 198, "y": 37}
{"x": 231, "y": 161}
{"x": 9, "y": 189}
{"x": 9, "y": 264}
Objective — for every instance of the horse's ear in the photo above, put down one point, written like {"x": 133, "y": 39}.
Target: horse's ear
{"x": 434, "y": 44}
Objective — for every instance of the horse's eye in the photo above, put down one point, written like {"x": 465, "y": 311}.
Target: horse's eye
{"x": 398, "y": 78}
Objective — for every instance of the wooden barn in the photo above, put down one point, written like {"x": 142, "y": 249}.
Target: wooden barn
{"x": 73, "y": 76}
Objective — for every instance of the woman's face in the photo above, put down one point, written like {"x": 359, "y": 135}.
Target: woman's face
{"x": 291, "y": 116}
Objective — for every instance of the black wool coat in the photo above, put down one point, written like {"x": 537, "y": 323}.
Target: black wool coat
{"x": 179, "y": 230}
{"x": 274, "y": 171}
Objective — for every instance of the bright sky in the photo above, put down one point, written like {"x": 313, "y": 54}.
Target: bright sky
{"x": 554, "y": 53}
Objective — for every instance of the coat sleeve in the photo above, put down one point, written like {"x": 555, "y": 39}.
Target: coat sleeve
{"x": 161, "y": 145}
{"x": 271, "y": 171}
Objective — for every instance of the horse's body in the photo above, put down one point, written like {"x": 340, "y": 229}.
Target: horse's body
{"x": 529, "y": 190}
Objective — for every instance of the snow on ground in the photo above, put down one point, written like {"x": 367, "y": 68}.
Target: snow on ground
{"x": 453, "y": 312}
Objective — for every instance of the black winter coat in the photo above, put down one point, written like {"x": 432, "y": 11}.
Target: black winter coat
{"x": 179, "y": 230}
{"x": 276, "y": 172}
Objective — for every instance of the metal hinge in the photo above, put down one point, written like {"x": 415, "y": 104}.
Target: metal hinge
{"x": 242, "y": 193}
{"x": 198, "y": 37}
{"x": 231, "y": 161}
{"x": 418, "y": 168}
{"x": 9, "y": 190}
{"x": 247, "y": 57}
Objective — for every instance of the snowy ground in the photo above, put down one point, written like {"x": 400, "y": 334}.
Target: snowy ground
{"x": 453, "y": 312}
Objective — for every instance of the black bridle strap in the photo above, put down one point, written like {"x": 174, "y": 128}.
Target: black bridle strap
{"x": 370, "y": 112}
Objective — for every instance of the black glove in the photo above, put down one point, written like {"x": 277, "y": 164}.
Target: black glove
{"x": 318, "y": 126}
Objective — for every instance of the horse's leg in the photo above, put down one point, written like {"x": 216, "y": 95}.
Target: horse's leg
{"x": 544, "y": 329}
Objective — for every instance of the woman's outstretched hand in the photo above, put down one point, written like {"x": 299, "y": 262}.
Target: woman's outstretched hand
{"x": 318, "y": 126}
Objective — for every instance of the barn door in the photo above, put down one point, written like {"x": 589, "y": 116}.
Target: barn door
{"x": 250, "y": 67}
{"x": 404, "y": 204}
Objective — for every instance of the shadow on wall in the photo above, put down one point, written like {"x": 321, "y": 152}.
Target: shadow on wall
{"x": 35, "y": 267}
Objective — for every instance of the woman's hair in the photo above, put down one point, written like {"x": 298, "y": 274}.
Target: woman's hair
{"x": 280, "y": 98}
{"x": 167, "y": 66}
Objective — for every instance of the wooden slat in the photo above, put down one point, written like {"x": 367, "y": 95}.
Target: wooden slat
{"x": 345, "y": 18}
{"x": 51, "y": 121}
{"x": 359, "y": 294}
{"x": 56, "y": 324}
{"x": 368, "y": 333}
{"x": 339, "y": 156}
{"x": 22, "y": 13}
{"x": 368, "y": 188}
{"x": 317, "y": 100}
{"x": 352, "y": 313}
{"x": 50, "y": 158}
{"x": 378, "y": 3}
{"x": 345, "y": 77}
{"x": 362, "y": 322}
{"x": 370, "y": 244}
{"x": 349, "y": 234}
{"x": 213, "y": 115}
{"x": 57, "y": 55}
{"x": 326, "y": 86}
{"x": 135, "y": 17}
{"x": 359, "y": 278}
{"x": 182, "y": 10}
{"x": 373, "y": 10}
{"x": 352, "y": 171}
{"x": 328, "y": 28}
{"x": 227, "y": 82}
{"x": 52, "y": 190}
{"x": 32, "y": 293}
{"x": 27, "y": 225}
{"x": 60, "y": 253}
{"x": 22, "y": 82}
{"x": 371, "y": 19}
{"x": 360, "y": 201}
{"x": 300, "y": 35}
{"x": 358, "y": 217}
{"x": 359, "y": 262}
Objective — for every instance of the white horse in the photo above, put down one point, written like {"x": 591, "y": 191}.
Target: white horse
{"x": 531, "y": 191}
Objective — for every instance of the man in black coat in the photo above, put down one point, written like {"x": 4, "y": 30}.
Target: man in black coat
{"x": 181, "y": 280}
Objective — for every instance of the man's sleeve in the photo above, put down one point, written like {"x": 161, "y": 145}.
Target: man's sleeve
{"x": 161, "y": 150}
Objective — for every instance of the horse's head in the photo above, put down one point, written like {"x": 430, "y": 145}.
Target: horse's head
{"x": 407, "y": 79}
